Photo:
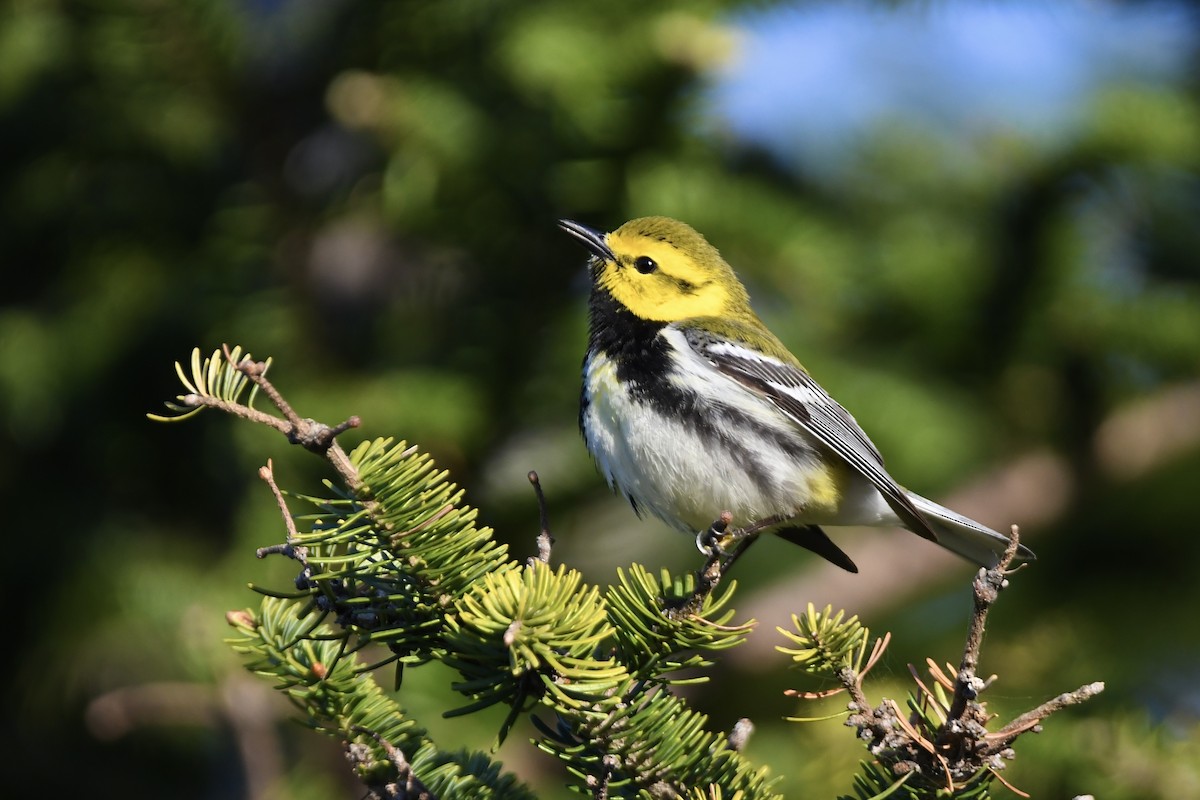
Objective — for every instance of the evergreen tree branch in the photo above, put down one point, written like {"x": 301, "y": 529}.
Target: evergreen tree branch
{"x": 386, "y": 748}
{"x": 394, "y": 558}
{"x": 212, "y": 386}
{"x": 942, "y": 745}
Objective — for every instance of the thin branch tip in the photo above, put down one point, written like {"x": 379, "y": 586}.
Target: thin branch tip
{"x": 247, "y": 366}
{"x": 1032, "y": 720}
{"x": 1014, "y": 544}
{"x": 739, "y": 735}
{"x": 271, "y": 549}
{"x": 544, "y": 540}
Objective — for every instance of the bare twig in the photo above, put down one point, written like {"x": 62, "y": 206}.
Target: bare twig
{"x": 267, "y": 473}
{"x": 308, "y": 433}
{"x": 235, "y": 409}
{"x": 599, "y": 786}
{"x": 257, "y": 371}
{"x": 1031, "y": 720}
{"x": 988, "y": 584}
{"x": 406, "y": 785}
{"x": 544, "y": 540}
{"x": 288, "y": 548}
{"x": 879, "y": 721}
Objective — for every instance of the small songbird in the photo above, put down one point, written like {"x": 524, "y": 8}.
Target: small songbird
{"x": 691, "y": 407}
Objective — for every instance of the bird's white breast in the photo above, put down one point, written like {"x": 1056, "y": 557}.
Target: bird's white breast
{"x": 669, "y": 466}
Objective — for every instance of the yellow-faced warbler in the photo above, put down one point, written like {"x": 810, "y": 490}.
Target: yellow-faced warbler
{"x": 691, "y": 407}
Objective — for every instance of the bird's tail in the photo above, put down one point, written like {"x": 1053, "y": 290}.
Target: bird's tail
{"x": 966, "y": 537}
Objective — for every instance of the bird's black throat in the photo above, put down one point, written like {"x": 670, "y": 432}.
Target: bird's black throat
{"x": 630, "y": 342}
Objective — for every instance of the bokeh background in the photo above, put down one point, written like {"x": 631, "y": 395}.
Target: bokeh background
{"x": 978, "y": 224}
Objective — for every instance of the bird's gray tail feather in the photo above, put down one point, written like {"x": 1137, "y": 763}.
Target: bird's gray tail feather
{"x": 966, "y": 537}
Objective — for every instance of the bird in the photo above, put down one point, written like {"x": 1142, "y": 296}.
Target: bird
{"x": 691, "y": 407}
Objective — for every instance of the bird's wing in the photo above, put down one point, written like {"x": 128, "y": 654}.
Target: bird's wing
{"x": 793, "y": 391}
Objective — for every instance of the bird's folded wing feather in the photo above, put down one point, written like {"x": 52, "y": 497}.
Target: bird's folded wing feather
{"x": 793, "y": 391}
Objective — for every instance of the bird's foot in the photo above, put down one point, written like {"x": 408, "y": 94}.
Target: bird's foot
{"x": 717, "y": 540}
{"x": 708, "y": 541}
{"x": 721, "y": 548}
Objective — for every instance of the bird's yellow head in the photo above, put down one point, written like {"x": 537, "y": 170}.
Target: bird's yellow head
{"x": 662, "y": 270}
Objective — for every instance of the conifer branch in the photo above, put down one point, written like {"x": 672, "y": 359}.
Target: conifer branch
{"x": 943, "y": 745}
{"x": 218, "y": 382}
{"x": 394, "y": 558}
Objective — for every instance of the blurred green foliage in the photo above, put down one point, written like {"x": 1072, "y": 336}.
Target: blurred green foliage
{"x": 367, "y": 192}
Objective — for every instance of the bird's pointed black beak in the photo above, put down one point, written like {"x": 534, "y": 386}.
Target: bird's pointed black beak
{"x": 593, "y": 240}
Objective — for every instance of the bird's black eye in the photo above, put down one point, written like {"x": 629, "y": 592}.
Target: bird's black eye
{"x": 645, "y": 264}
